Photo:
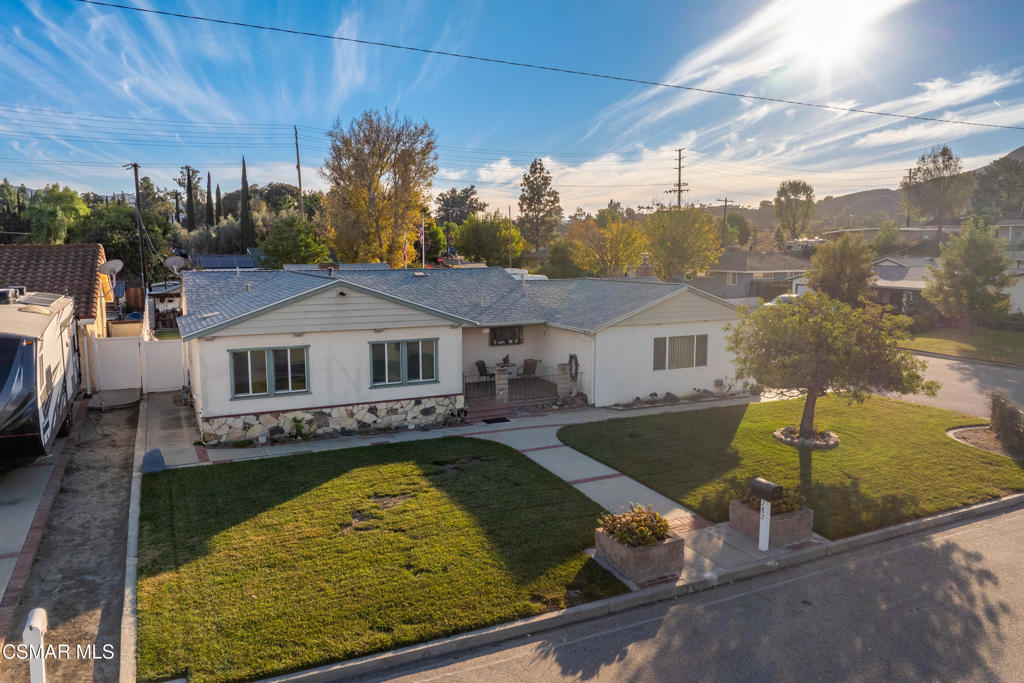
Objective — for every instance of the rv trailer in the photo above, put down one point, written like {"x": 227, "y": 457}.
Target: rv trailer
{"x": 39, "y": 374}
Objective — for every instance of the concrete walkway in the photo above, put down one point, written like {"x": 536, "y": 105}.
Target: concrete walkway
{"x": 170, "y": 426}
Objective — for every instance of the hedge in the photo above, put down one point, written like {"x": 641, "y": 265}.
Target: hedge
{"x": 1008, "y": 423}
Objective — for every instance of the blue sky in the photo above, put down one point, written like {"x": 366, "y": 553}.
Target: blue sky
{"x": 100, "y": 87}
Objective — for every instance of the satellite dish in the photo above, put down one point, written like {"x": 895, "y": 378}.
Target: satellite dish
{"x": 174, "y": 263}
{"x": 112, "y": 267}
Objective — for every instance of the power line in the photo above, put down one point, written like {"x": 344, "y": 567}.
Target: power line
{"x": 540, "y": 67}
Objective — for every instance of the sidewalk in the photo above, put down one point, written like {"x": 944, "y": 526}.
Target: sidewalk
{"x": 710, "y": 549}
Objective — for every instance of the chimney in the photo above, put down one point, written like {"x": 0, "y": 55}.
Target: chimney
{"x": 645, "y": 269}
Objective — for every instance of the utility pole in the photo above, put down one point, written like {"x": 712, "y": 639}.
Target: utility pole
{"x": 910, "y": 181}
{"x": 298, "y": 168}
{"x": 138, "y": 222}
{"x": 680, "y": 187}
{"x": 725, "y": 209}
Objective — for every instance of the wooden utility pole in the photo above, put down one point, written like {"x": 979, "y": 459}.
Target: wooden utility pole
{"x": 138, "y": 223}
{"x": 298, "y": 168}
{"x": 680, "y": 187}
{"x": 725, "y": 209}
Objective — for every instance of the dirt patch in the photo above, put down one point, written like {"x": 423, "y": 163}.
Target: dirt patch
{"x": 983, "y": 438}
{"x": 386, "y": 502}
{"x": 78, "y": 573}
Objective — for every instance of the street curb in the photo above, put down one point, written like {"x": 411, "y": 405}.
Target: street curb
{"x": 383, "y": 661}
{"x": 962, "y": 359}
{"x": 131, "y": 564}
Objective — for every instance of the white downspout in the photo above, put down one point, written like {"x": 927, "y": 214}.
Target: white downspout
{"x": 594, "y": 367}
{"x": 88, "y": 359}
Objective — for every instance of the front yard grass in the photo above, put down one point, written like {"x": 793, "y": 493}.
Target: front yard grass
{"x": 894, "y": 462}
{"x": 268, "y": 566}
{"x": 1001, "y": 346}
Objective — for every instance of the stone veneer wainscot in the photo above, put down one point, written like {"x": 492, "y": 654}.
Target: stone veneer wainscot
{"x": 330, "y": 420}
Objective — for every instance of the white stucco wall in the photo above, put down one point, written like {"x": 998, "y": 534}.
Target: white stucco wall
{"x": 549, "y": 345}
{"x": 1016, "y": 291}
{"x": 625, "y": 356}
{"x": 338, "y": 369}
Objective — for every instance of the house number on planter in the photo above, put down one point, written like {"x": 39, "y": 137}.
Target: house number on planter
{"x": 767, "y": 492}
{"x": 766, "y": 523}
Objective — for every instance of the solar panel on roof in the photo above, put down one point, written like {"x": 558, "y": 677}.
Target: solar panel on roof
{"x": 39, "y": 299}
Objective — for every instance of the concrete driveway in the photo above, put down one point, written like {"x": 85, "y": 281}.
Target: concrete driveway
{"x": 966, "y": 384}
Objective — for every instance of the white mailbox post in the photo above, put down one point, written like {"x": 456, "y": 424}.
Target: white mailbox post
{"x": 32, "y": 637}
{"x": 767, "y": 492}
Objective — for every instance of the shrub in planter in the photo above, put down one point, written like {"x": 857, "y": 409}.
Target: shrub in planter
{"x": 790, "y": 502}
{"x": 638, "y": 545}
{"x": 639, "y": 526}
{"x": 791, "y": 522}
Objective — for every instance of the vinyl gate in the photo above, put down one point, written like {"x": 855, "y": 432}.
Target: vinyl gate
{"x": 130, "y": 363}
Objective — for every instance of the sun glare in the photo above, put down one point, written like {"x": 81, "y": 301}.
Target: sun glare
{"x": 829, "y": 33}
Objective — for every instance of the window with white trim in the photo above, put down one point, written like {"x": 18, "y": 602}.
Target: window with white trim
{"x": 686, "y": 351}
{"x": 731, "y": 278}
{"x": 266, "y": 372}
{"x": 403, "y": 362}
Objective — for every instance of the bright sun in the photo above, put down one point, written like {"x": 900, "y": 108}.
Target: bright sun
{"x": 830, "y": 32}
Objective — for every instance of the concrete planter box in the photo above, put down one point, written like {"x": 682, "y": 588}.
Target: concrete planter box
{"x": 641, "y": 564}
{"x": 787, "y": 528}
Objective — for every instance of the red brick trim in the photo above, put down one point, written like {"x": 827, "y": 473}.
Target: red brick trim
{"x": 511, "y": 429}
{"x": 9, "y": 602}
{"x": 341, "y": 405}
{"x": 542, "y": 448}
{"x": 201, "y": 454}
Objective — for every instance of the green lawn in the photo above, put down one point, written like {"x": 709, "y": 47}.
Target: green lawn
{"x": 167, "y": 334}
{"x": 255, "y": 568}
{"x": 894, "y": 462}
{"x": 1002, "y": 346}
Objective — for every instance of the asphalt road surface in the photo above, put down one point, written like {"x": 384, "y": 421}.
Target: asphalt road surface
{"x": 966, "y": 384}
{"x": 946, "y": 605}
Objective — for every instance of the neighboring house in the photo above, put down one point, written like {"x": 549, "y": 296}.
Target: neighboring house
{"x": 166, "y": 304}
{"x": 346, "y": 350}
{"x": 70, "y": 269}
{"x": 535, "y": 259}
{"x": 899, "y": 282}
{"x": 336, "y": 266}
{"x": 1012, "y": 230}
{"x": 741, "y": 274}
{"x": 911, "y": 234}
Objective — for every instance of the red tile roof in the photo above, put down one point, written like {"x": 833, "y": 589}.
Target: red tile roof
{"x": 71, "y": 269}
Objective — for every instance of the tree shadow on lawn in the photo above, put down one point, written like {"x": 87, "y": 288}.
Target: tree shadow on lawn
{"x": 920, "y": 611}
{"x": 530, "y": 518}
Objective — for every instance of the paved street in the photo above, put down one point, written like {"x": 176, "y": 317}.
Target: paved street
{"x": 945, "y": 605}
{"x": 966, "y": 384}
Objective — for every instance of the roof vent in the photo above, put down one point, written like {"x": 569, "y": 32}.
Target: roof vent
{"x": 8, "y": 295}
{"x": 419, "y": 273}
{"x": 248, "y": 286}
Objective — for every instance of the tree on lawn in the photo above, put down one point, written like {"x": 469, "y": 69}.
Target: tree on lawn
{"x": 455, "y": 206}
{"x": 539, "y": 209}
{"x": 938, "y": 186}
{"x": 818, "y": 345}
{"x": 969, "y": 283}
{"x": 681, "y": 241}
{"x": 842, "y": 269}
{"x": 293, "y": 240}
{"x": 794, "y": 206}
{"x": 247, "y": 235}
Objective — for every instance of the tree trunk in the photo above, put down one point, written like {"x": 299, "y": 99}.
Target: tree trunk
{"x": 807, "y": 421}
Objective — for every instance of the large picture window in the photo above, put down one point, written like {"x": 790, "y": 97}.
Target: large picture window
{"x": 403, "y": 362}
{"x": 265, "y": 372}
{"x": 687, "y": 351}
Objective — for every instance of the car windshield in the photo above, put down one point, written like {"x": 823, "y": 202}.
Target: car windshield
{"x": 8, "y": 350}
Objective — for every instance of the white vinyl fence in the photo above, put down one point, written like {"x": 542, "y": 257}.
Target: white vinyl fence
{"x": 130, "y": 363}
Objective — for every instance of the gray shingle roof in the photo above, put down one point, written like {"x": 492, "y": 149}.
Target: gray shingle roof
{"x": 902, "y": 272}
{"x": 754, "y": 261}
{"x": 336, "y": 266}
{"x": 480, "y": 296}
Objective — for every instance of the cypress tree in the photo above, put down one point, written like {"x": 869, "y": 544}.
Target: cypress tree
{"x": 219, "y": 206}
{"x": 190, "y": 201}
{"x": 209, "y": 201}
{"x": 247, "y": 237}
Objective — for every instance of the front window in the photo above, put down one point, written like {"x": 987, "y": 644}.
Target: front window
{"x": 686, "y": 351}
{"x": 403, "y": 362}
{"x": 731, "y": 278}
{"x": 506, "y": 335}
{"x": 265, "y": 372}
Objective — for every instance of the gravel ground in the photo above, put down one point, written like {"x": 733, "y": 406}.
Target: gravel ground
{"x": 983, "y": 438}
{"x": 78, "y": 573}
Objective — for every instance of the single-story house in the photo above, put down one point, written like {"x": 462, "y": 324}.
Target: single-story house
{"x": 1012, "y": 230}
{"x": 900, "y": 280}
{"x": 741, "y": 274}
{"x": 345, "y": 350}
{"x": 72, "y": 270}
{"x": 535, "y": 259}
